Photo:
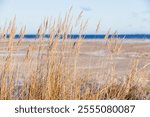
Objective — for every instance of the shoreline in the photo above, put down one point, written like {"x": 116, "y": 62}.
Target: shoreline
{"x": 84, "y": 40}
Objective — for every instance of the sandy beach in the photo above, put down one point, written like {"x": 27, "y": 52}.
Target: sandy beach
{"x": 94, "y": 54}
{"x": 80, "y": 65}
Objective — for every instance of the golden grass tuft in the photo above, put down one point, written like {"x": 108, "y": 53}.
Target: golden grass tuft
{"x": 49, "y": 69}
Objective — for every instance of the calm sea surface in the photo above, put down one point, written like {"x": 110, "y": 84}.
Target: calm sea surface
{"x": 91, "y": 36}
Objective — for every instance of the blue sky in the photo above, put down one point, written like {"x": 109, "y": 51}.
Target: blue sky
{"x": 125, "y": 16}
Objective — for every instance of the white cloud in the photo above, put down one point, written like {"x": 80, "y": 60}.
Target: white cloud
{"x": 86, "y": 8}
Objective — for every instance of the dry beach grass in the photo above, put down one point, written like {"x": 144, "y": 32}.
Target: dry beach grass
{"x": 65, "y": 69}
